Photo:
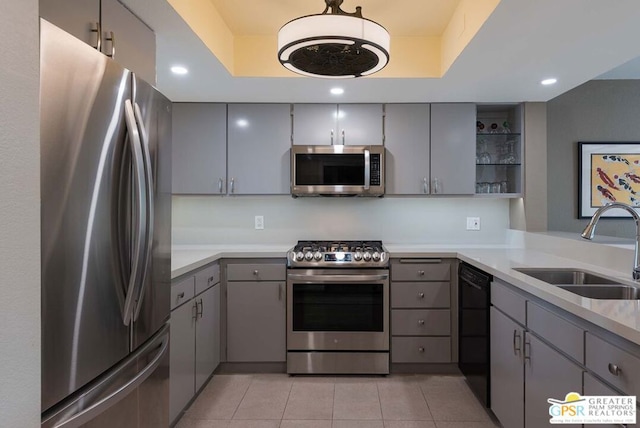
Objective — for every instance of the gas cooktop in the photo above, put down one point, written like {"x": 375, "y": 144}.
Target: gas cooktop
{"x": 343, "y": 254}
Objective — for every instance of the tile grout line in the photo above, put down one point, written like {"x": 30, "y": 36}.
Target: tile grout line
{"x": 243, "y": 396}
{"x": 286, "y": 403}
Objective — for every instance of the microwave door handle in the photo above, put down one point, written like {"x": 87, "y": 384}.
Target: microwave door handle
{"x": 367, "y": 170}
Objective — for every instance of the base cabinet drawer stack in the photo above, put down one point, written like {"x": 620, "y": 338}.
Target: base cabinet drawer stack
{"x": 195, "y": 335}
{"x": 420, "y": 311}
{"x": 256, "y": 312}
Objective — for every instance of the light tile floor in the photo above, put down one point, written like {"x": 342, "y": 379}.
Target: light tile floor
{"x": 281, "y": 401}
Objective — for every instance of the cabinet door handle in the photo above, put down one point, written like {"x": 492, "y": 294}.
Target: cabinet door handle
{"x": 194, "y": 311}
{"x": 279, "y": 291}
{"x": 219, "y": 185}
{"x": 421, "y": 273}
{"x": 516, "y": 342}
{"x": 201, "y": 305}
{"x": 232, "y": 185}
{"x": 527, "y": 351}
{"x": 614, "y": 369}
{"x": 343, "y": 137}
{"x": 181, "y": 295}
{"x": 112, "y": 39}
{"x": 420, "y": 322}
{"x": 98, "y": 31}
{"x": 425, "y": 185}
{"x": 256, "y": 273}
{"x": 421, "y": 295}
{"x": 332, "y": 137}
{"x": 421, "y": 349}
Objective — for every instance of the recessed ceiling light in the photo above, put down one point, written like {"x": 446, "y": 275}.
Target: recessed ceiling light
{"x": 337, "y": 91}
{"x": 178, "y": 69}
{"x": 550, "y": 81}
{"x": 242, "y": 123}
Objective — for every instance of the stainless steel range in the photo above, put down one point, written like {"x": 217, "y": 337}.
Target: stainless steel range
{"x": 338, "y": 308}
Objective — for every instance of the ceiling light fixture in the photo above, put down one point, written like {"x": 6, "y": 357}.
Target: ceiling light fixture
{"x": 550, "y": 81}
{"x": 178, "y": 69}
{"x": 334, "y": 44}
{"x": 337, "y": 91}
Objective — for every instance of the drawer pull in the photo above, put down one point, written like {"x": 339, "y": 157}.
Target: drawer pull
{"x": 614, "y": 369}
{"x": 181, "y": 295}
{"x": 255, "y": 272}
{"x": 420, "y": 322}
{"x": 421, "y": 349}
{"x": 421, "y": 272}
{"x": 421, "y": 295}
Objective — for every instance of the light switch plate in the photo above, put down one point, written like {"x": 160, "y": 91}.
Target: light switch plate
{"x": 473, "y": 223}
{"x": 259, "y": 222}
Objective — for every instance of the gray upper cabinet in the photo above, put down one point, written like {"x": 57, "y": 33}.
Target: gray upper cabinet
{"x": 338, "y": 124}
{"x": 259, "y": 139}
{"x": 199, "y": 148}
{"x": 453, "y": 135}
{"x": 407, "y": 142}
{"x": 133, "y": 43}
{"x": 79, "y": 18}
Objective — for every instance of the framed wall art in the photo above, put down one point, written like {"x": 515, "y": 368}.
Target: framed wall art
{"x": 608, "y": 172}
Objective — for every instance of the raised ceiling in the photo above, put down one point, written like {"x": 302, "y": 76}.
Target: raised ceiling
{"x": 503, "y": 59}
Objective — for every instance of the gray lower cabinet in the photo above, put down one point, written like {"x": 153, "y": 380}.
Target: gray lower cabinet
{"x": 256, "y": 322}
{"x": 182, "y": 361}
{"x": 525, "y": 371}
{"x": 195, "y": 335}
{"x": 133, "y": 43}
{"x": 258, "y": 149}
{"x": 507, "y": 370}
{"x": 547, "y": 374}
{"x": 420, "y": 311}
{"x": 593, "y": 386}
{"x": 207, "y": 341}
{"x": 199, "y": 162}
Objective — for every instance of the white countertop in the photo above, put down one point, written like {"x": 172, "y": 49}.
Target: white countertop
{"x": 621, "y": 317}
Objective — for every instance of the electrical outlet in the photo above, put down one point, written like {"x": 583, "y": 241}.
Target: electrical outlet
{"x": 259, "y": 221}
{"x": 473, "y": 223}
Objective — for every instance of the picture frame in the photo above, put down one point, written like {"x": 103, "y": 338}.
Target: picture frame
{"x": 608, "y": 172}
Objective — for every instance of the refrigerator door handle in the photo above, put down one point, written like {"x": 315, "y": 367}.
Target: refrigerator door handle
{"x": 62, "y": 419}
{"x": 137, "y": 271}
{"x": 144, "y": 144}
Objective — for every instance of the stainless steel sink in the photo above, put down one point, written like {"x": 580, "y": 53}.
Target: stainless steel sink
{"x": 619, "y": 292}
{"x": 557, "y": 276}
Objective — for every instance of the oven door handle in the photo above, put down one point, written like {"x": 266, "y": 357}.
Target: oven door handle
{"x": 338, "y": 278}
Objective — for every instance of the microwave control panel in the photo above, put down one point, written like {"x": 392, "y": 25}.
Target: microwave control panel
{"x": 375, "y": 169}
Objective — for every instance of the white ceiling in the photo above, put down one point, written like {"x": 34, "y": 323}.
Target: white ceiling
{"x": 522, "y": 42}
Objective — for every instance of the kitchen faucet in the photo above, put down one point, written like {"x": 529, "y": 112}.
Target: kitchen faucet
{"x": 589, "y": 231}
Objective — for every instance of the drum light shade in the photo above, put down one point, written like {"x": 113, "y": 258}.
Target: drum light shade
{"x": 333, "y": 45}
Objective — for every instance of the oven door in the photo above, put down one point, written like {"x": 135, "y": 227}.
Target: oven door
{"x": 337, "y": 310}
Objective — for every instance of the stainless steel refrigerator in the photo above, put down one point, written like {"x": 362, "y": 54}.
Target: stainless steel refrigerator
{"x": 106, "y": 240}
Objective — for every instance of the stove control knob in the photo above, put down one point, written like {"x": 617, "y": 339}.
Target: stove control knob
{"x": 317, "y": 256}
{"x": 308, "y": 256}
{"x": 357, "y": 256}
{"x": 293, "y": 256}
{"x": 299, "y": 256}
{"x": 376, "y": 256}
{"x": 366, "y": 256}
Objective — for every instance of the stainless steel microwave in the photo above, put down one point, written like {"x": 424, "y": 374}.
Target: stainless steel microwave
{"x": 337, "y": 171}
